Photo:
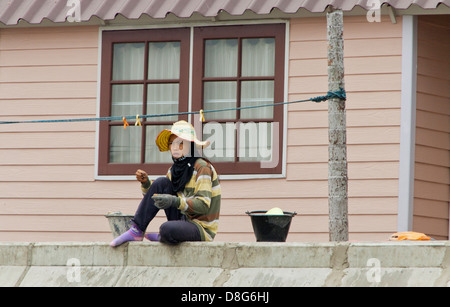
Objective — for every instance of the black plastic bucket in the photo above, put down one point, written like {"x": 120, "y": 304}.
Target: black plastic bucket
{"x": 271, "y": 228}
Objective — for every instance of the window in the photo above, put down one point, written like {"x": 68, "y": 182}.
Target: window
{"x": 147, "y": 72}
{"x": 143, "y": 72}
{"x": 241, "y": 66}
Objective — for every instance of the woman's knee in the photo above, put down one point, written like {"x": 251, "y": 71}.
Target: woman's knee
{"x": 178, "y": 231}
{"x": 162, "y": 185}
{"x": 166, "y": 233}
{"x": 161, "y": 181}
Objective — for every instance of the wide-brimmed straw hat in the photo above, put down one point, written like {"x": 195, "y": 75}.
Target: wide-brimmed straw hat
{"x": 181, "y": 129}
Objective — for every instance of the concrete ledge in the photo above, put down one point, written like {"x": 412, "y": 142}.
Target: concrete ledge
{"x": 226, "y": 264}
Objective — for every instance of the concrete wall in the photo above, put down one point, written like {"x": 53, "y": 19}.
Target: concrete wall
{"x": 226, "y": 264}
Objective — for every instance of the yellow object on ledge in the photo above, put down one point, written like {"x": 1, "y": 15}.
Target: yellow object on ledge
{"x": 409, "y": 235}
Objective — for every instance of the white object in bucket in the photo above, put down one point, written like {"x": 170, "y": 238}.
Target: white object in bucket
{"x": 275, "y": 211}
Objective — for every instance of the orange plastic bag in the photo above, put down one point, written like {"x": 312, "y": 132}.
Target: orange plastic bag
{"x": 409, "y": 235}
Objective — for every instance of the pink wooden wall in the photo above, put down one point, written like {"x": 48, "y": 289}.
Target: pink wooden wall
{"x": 432, "y": 167}
{"x": 47, "y": 186}
{"x": 373, "y": 83}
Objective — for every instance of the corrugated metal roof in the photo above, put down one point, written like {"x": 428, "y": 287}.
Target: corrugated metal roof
{"x": 35, "y": 11}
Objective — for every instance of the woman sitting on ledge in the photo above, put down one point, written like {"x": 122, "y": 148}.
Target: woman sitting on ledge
{"x": 189, "y": 194}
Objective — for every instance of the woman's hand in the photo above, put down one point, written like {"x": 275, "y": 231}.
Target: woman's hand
{"x": 142, "y": 176}
{"x": 165, "y": 201}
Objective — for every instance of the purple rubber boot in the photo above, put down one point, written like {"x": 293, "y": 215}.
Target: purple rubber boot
{"x": 133, "y": 234}
{"x": 152, "y": 236}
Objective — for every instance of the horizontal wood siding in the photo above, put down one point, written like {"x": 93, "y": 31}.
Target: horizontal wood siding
{"x": 432, "y": 167}
{"x": 373, "y": 83}
{"x": 47, "y": 186}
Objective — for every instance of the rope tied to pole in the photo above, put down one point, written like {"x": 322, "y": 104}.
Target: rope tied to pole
{"x": 340, "y": 94}
{"x": 330, "y": 95}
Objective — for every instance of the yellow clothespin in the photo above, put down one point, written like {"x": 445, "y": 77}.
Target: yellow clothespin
{"x": 125, "y": 123}
{"x": 138, "y": 121}
{"x": 202, "y": 118}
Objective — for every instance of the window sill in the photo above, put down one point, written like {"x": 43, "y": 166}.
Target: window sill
{"x": 221, "y": 177}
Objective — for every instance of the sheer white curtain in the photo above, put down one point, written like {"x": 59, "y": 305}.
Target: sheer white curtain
{"x": 221, "y": 61}
{"x": 163, "y": 60}
{"x": 128, "y": 61}
{"x": 222, "y": 139}
{"x": 125, "y": 145}
{"x": 152, "y": 153}
{"x": 220, "y": 95}
{"x": 163, "y": 64}
{"x": 258, "y": 57}
{"x": 127, "y": 99}
{"x": 258, "y": 60}
{"x": 256, "y": 93}
{"x": 255, "y": 141}
{"x": 162, "y": 98}
{"x": 221, "y": 58}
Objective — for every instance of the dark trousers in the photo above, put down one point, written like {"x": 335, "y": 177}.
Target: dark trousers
{"x": 176, "y": 229}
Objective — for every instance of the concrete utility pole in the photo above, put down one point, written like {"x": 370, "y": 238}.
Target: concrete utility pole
{"x": 337, "y": 146}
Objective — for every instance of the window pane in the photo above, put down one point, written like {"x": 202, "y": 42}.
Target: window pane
{"x": 220, "y": 95}
{"x": 128, "y": 61}
{"x": 162, "y": 99}
{"x": 126, "y": 99}
{"x": 222, "y": 138}
{"x": 255, "y": 141}
{"x": 152, "y": 153}
{"x": 256, "y": 93}
{"x": 125, "y": 144}
{"x": 258, "y": 57}
{"x": 221, "y": 57}
{"x": 164, "y": 60}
